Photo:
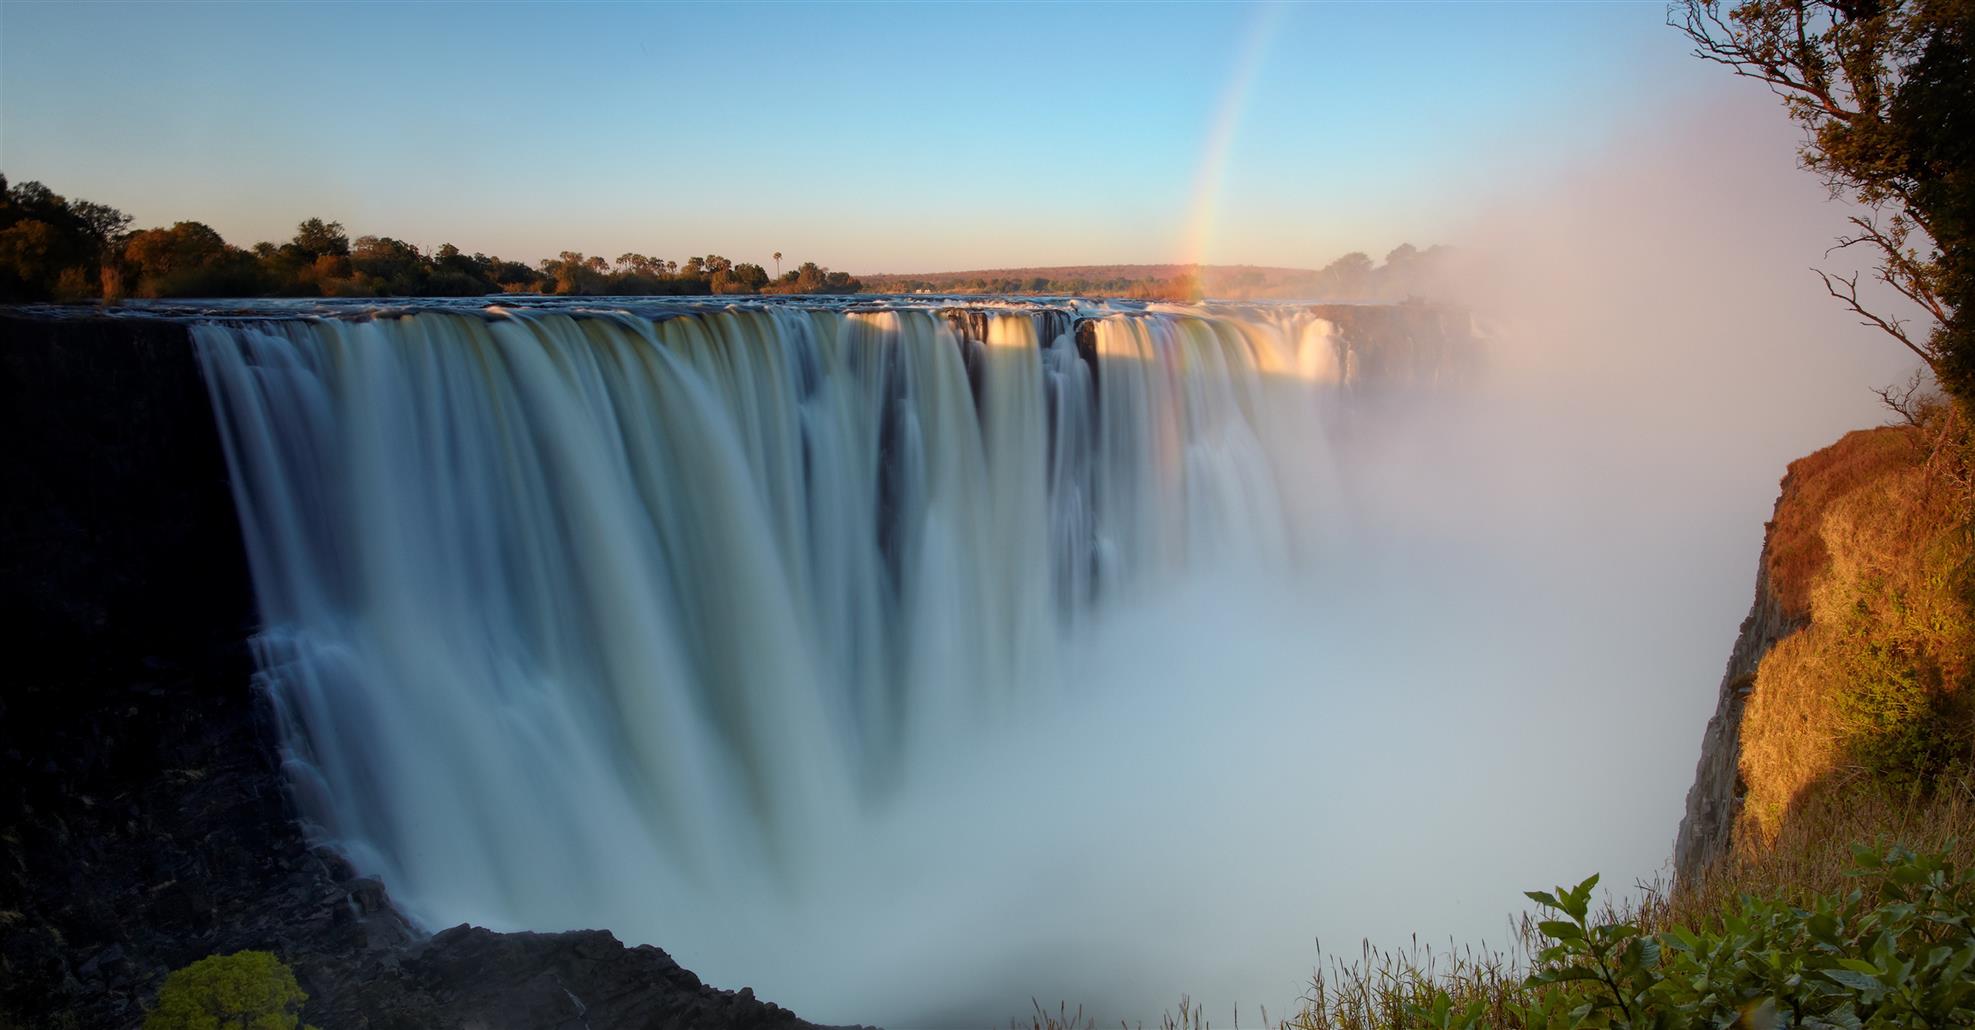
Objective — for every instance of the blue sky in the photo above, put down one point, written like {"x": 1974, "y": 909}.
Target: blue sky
{"x": 870, "y": 138}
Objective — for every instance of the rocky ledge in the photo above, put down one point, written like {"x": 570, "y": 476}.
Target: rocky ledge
{"x": 144, "y": 822}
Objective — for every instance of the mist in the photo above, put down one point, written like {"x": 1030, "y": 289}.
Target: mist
{"x": 1495, "y": 681}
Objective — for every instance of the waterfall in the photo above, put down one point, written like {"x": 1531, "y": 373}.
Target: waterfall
{"x": 566, "y": 608}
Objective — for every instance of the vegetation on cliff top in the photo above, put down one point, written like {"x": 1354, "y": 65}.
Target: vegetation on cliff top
{"x": 1868, "y": 702}
{"x": 61, "y": 249}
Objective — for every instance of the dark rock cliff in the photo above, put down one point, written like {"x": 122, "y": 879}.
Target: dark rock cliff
{"x": 143, "y": 819}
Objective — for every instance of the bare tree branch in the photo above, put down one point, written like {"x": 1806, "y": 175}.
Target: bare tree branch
{"x": 1912, "y": 401}
{"x": 1896, "y": 328}
{"x": 1839, "y": 67}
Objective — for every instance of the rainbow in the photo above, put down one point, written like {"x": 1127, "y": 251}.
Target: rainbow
{"x": 1208, "y": 178}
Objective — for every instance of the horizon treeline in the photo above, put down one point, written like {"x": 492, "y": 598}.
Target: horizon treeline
{"x": 56, "y": 249}
{"x": 1407, "y": 273}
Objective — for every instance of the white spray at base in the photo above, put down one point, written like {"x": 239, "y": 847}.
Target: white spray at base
{"x": 764, "y": 634}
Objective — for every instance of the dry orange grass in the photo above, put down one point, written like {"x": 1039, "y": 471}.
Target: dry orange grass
{"x": 1868, "y": 543}
{"x": 1789, "y": 735}
{"x": 1812, "y": 853}
{"x": 1796, "y": 550}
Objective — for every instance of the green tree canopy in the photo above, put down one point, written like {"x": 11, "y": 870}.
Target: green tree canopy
{"x": 247, "y": 990}
{"x": 318, "y": 238}
{"x": 51, "y": 246}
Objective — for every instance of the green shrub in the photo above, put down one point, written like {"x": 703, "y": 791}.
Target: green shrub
{"x": 1892, "y": 712}
{"x": 247, "y": 990}
{"x": 1895, "y": 949}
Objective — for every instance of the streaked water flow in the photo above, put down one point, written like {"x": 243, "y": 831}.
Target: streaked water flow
{"x": 562, "y": 610}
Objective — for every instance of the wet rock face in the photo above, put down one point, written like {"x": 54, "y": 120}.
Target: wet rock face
{"x": 137, "y": 786}
{"x": 117, "y": 534}
{"x": 144, "y": 821}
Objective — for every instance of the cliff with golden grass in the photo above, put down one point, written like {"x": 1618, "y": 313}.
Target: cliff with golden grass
{"x": 1844, "y": 712}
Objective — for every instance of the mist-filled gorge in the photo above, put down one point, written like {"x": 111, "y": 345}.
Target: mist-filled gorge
{"x": 816, "y": 643}
{"x": 411, "y": 636}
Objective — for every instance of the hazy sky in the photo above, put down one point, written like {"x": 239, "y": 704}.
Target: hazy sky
{"x": 876, "y": 138}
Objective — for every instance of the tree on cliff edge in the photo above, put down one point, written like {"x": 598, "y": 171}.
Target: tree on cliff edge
{"x": 1885, "y": 93}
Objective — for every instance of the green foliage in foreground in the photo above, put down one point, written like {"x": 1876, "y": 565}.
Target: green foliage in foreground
{"x": 247, "y": 990}
{"x": 1897, "y": 950}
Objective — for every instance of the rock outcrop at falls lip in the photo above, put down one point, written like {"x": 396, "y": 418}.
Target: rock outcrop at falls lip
{"x": 144, "y": 821}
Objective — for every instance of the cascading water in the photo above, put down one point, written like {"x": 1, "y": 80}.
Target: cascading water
{"x": 660, "y": 621}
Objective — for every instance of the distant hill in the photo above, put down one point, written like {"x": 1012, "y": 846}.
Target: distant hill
{"x": 1407, "y": 272}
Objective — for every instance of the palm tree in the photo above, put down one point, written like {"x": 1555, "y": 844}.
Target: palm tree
{"x": 778, "y": 264}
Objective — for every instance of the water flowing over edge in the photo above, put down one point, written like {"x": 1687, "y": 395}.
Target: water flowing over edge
{"x": 564, "y": 607}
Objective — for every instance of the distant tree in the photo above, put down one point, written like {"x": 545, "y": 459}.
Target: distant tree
{"x": 778, "y": 264}
{"x": 105, "y": 222}
{"x": 573, "y": 273}
{"x": 55, "y": 248}
{"x": 390, "y": 267}
{"x": 184, "y": 246}
{"x": 247, "y": 990}
{"x": 1347, "y": 278}
{"x": 640, "y": 265}
{"x": 190, "y": 259}
{"x": 515, "y": 277}
{"x": 1885, "y": 93}
{"x": 316, "y": 237}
